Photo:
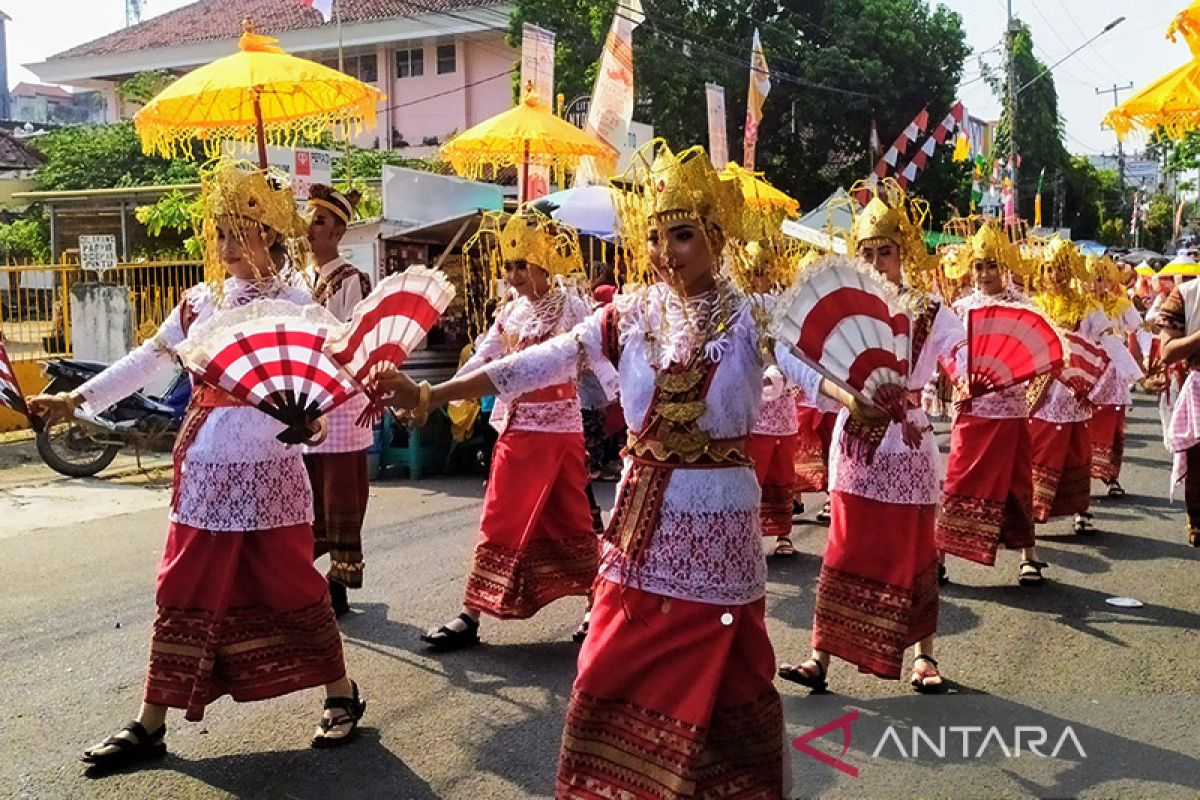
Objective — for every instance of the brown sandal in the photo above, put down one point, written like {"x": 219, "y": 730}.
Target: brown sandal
{"x": 784, "y": 547}
{"x": 926, "y": 682}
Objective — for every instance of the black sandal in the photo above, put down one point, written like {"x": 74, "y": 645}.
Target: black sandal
{"x": 802, "y": 674}
{"x": 445, "y": 639}
{"x": 943, "y": 576}
{"x": 338, "y": 598}
{"x": 581, "y": 632}
{"x": 1115, "y": 489}
{"x": 918, "y": 678}
{"x": 1030, "y": 573}
{"x": 148, "y": 745}
{"x": 1083, "y": 524}
{"x": 823, "y": 516}
{"x": 797, "y": 511}
{"x": 352, "y": 709}
{"x": 1194, "y": 537}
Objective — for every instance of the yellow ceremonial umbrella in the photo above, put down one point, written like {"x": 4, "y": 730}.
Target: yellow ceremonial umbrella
{"x": 258, "y": 94}
{"x": 1172, "y": 101}
{"x": 1181, "y": 265}
{"x": 526, "y": 135}
{"x": 1144, "y": 269}
{"x": 760, "y": 195}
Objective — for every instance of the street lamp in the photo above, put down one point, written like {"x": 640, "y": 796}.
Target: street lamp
{"x": 1050, "y": 68}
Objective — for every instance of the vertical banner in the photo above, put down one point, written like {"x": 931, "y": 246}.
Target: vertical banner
{"x": 718, "y": 142}
{"x": 612, "y": 97}
{"x": 760, "y": 87}
{"x": 537, "y": 74}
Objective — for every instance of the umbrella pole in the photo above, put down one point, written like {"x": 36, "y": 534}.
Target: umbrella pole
{"x": 525, "y": 175}
{"x": 262, "y": 135}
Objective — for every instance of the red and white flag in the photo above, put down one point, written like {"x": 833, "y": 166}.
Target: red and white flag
{"x": 323, "y": 7}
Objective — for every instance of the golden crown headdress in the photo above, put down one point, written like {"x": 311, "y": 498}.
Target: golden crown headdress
{"x": 662, "y": 187}
{"x": 239, "y": 190}
{"x": 891, "y": 214}
{"x": 540, "y": 241}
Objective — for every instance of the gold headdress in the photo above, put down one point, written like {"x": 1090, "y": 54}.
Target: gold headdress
{"x": 1059, "y": 283}
{"x": 540, "y": 241}
{"x": 661, "y": 187}
{"x": 240, "y": 191}
{"x": 892, "y": 215}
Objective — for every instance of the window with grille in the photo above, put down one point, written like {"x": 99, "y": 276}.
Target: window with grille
{"x": 410, "y": 63}
{"x": 447, "y": 59}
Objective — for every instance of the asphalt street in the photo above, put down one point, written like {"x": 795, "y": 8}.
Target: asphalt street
{"x": 77, "y": 566}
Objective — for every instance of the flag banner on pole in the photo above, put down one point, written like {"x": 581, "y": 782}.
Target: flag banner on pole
{"x": 611, "y": 110}
{"x": 718, "y": 141}
{"x": 1037, "y": 200}
{"x": 537, "y": 73}
{"x": 875, "y": 147}
{"x": 760, "y": 87}
{"x": 322, "y": 7}
{"x": 899, "y": 147}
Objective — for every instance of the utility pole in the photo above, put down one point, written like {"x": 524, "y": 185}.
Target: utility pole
{"x": 1120, "y": 150}
{"x": 1010, "y": 40}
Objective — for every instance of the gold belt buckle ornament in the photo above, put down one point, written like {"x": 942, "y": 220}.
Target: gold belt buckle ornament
{"x": 682, "y": 412}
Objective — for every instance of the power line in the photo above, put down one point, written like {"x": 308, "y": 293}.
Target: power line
{"x": 407, "y": 103}
{"x": 1095, "y": 49}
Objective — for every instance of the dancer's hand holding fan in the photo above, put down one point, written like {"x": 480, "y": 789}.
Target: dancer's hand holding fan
{"x": 270, "y": 354}
{"x": 851, "y": 326}
{"x": 388, "y": 325}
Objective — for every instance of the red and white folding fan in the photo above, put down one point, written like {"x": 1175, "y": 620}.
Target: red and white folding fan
{"x": 849, "y": 324}
{"x": 388, "y": 324}
{"x": 270, "y": 354}
{"x": 1086, "y": 362}
{"x": 10, "y": 389}
{"x": 1007, "y": 346}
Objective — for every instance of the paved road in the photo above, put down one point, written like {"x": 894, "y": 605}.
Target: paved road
{"x": 78, "y": 601}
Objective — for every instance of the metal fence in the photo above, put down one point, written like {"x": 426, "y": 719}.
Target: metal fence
{"x": 35, "y": 306}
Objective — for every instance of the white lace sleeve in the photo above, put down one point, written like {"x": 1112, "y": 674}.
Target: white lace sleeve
{"x": 554, "y": 361}
{"x": 804, "y": 377}
{"x": 136, "y": 369}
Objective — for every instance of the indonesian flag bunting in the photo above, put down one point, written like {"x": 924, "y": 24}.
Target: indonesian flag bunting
{"x": 323, "y": 7}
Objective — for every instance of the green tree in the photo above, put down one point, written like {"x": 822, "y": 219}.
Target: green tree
{"x": 1160, "y": 223}
{"x": 26, "y": 238}
{"x": 1039, "y": 127}
{"x": 104, "y": 157}
{"x": 836, "y": 64}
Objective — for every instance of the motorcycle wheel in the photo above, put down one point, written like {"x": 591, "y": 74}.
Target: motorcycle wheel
{"x": 67, "y": 449}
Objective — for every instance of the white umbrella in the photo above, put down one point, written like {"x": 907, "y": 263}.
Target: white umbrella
{"x": 589, "y": 209}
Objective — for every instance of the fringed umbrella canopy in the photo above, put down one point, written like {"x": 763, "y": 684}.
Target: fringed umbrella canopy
{"x": 526, "y": 135}
{"x": 259, "y": 94}
{"x": 1173, "y": 101}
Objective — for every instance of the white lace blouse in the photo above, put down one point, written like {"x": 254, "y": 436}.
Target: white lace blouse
{"x": 1113, "y": 387}
{"x": 707, "y": 546}
{"x": 898, "y": 473}
{"x": 522, "y": 320}
{"x": 235, "y": 476}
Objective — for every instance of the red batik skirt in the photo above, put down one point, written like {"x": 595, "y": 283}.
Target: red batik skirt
{"x": 987, "y": 497}
{"x": 812, "y": 449}
{"x": 243, "y": 614}
{"x": 669, "y": 702}
{"x": 1062, "y": 468}
{"x": 536, "y": 540}
{"x": 1108, "y": 442}
{"x": 340, "y": 486}
{"x": 775, "y": 466}
{"x": 878, "y": 592}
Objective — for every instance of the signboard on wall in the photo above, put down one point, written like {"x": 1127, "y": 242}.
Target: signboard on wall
{"x": 304, "y": 165}
{"x": 98, "y": 252}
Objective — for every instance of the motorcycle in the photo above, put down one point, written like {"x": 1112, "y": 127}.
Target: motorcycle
{"x": 87, "y": 444}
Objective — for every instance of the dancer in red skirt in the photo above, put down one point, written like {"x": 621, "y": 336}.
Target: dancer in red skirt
{"x": 1111, "y": 324}
{"x": 674, "y": 697}
{"x": 241, "y": 608}
{"x": 536, "y": 537}
{"x": 987, "y": 496}
{"x": 337, "y": 468}
{"x": 773, "y": 450}
{"x": 1059, "y": 425}
{"x": 815, "y": 421}
{"x": 878, "y": 589}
